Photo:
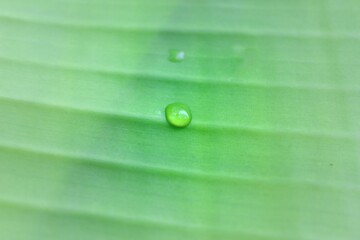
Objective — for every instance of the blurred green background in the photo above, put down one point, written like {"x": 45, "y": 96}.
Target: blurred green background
{"x": 272, "y": 153}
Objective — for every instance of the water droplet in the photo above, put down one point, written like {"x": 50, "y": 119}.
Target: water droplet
{"x": 239, "y": 49}
{"x": 176, "y": 55}
{"x": 178, "y": 115}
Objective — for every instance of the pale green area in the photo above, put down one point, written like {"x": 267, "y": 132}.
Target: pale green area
{"x": 272, "y": 152}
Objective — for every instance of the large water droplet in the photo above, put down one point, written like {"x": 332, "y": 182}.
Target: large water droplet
{"x": 178, "y": 115}
{"x": 176, "y": 55}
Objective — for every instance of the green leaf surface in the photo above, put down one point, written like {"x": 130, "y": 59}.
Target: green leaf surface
{"x": 272, "y": 152}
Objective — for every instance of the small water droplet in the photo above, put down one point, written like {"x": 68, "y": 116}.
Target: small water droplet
{"x": 178, "y": 115}
{"x": 239, "y": 49}
{"x": 176, "y": 55}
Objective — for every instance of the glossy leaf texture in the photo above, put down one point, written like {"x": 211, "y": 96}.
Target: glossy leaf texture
{"x": 272, "y": 152}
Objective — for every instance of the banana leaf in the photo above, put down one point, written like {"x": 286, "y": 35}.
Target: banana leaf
{"x": 272, "y": 152}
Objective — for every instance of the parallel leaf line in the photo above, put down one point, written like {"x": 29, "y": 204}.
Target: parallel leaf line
{"x": 160, "y": 55}
{"x": 128, "y": 220}
{"x": 172, "y": 172}
{"x": 199, "y": 125}
{"x": 163, "y": 55}
{"x": 180, "y": 80}
{"x": 215, "y": 5}
{"x": 242, "y": 32}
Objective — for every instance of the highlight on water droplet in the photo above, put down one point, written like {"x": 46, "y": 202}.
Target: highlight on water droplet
{"x": 176, "y": 55}
{"x": 178, "y": 115}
